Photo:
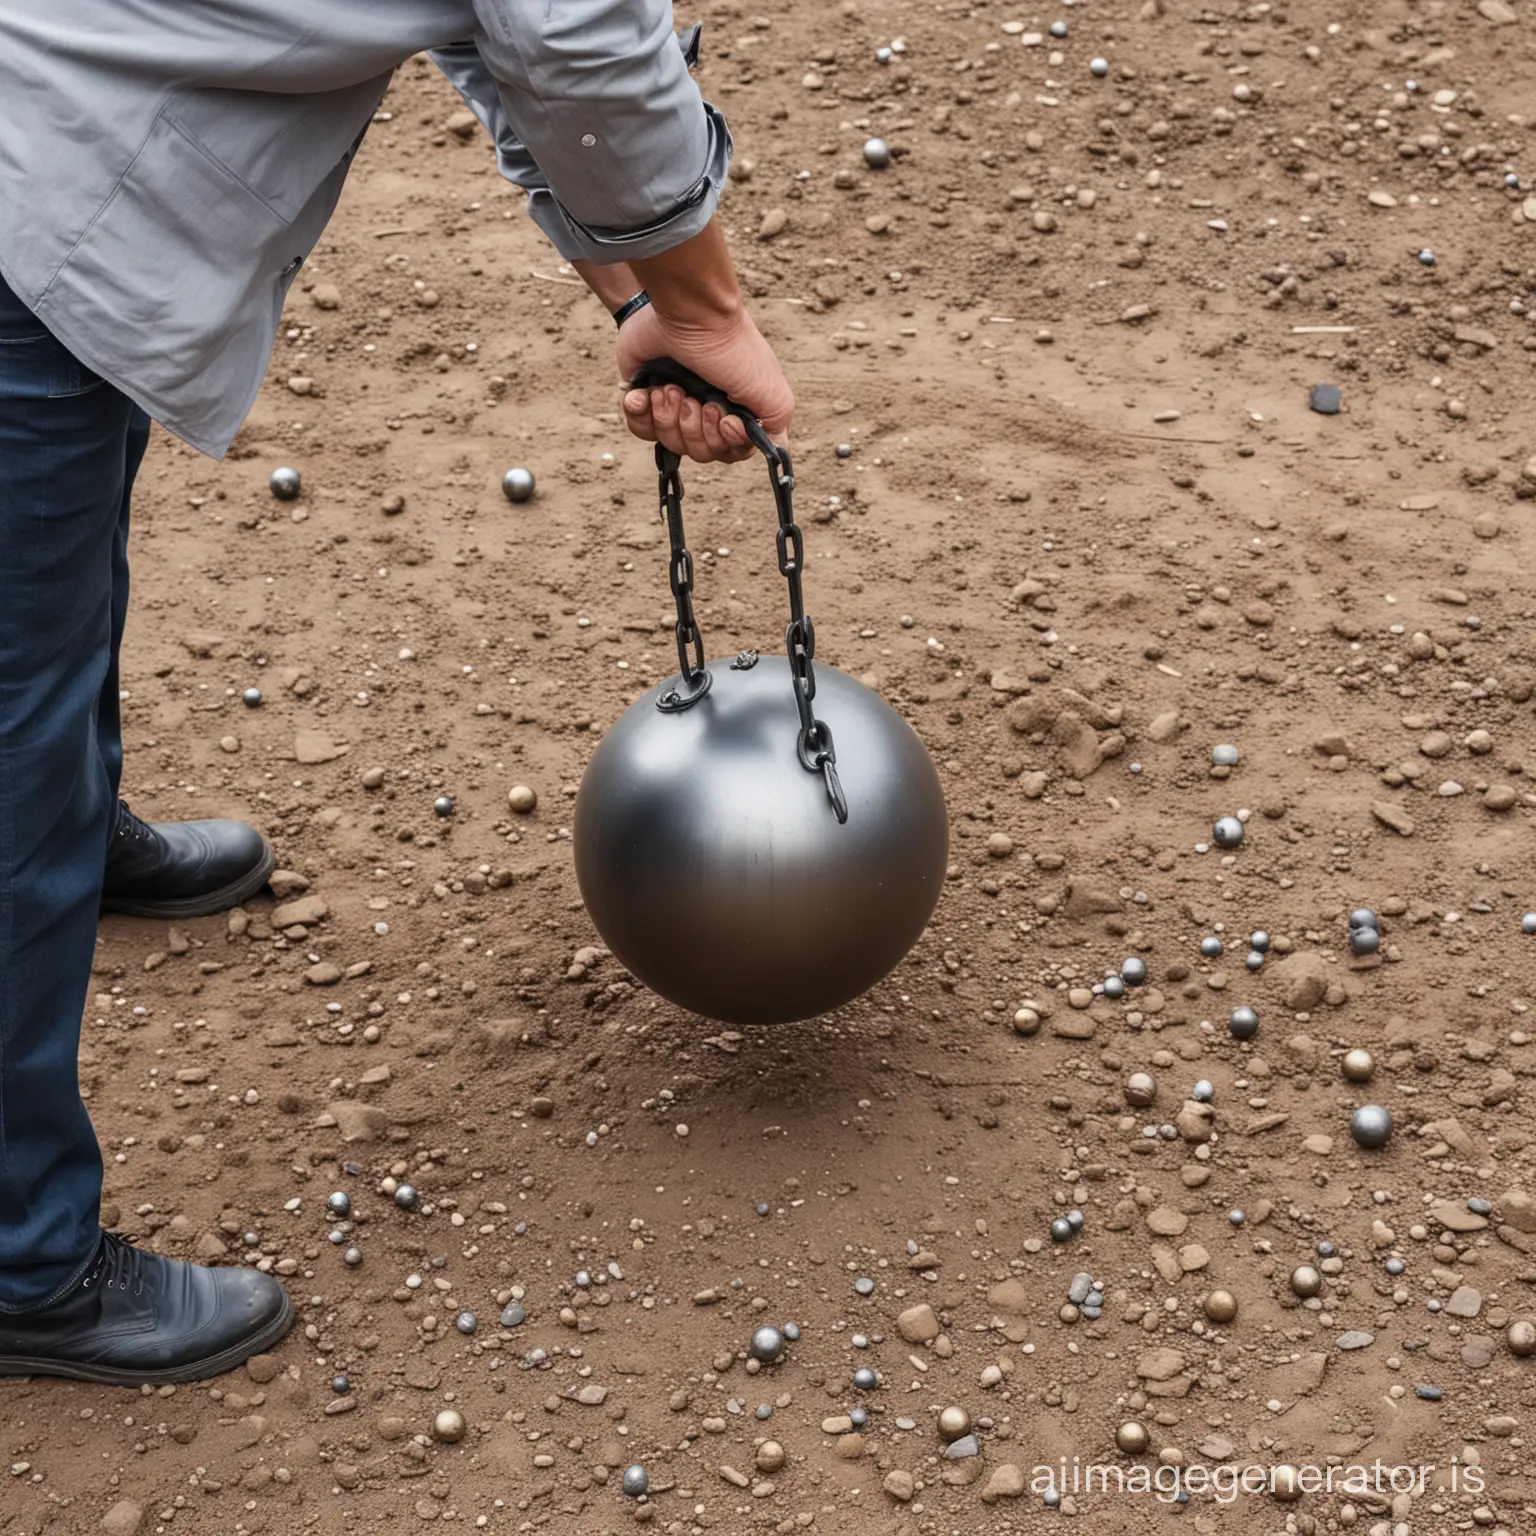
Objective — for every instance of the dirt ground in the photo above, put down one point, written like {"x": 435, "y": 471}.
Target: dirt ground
{"x": 1089, "y": 530}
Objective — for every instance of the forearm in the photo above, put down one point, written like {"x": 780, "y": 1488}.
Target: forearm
{"x": 693, "y": 284}
{"x": 614, "y": 285}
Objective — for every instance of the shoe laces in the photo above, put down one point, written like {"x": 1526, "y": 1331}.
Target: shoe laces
{"x": 119, "y": 1266}
{"x": 130, "y": 826}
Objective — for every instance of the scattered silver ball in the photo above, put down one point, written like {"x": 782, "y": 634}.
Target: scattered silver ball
{"x": 1228, "y": 832}
{"x": 865, "y": 1379}
{"x": 517, "y": 484}
{"x": 1076, "y": 1220}
{"x": 1358, "y": 1065}
{"x": 1203, "y": 1091}
{"x": 251, "y": 1239}
{"x": 466, "y": 1322}
{"x": 513, "y": 1315}
{"x": 1134, "y": 972}
{"x": 1114, "y": 988}
{"x": 791, "y": 1331}
{"x": 1426, "y": 257}
{"x": 1364, "y": 941}
{"x": 352, "y": 1257}
{"x": 1371, "y": 1126}
{"x": 1225, "y": 756}
{"x": 845, "y": 450}
{"x": 1058, "y": 29}
{"x": 1237, "y": 1217}
{"x": 583, "y": 1279}
{"x": 883, "y": 55}
{"x": 1363, "y": 917}
{"x": 1099, "y": 68}
{"x": 1395, "y": 1266}
{"x": 1512, "y": 181}
{"x": 285, "y": 484}
{"x": 1259, "y": 940}
{"x": 337, "y": 1236}
{"x": 1528, "y": 923}
{"x": 405, "y": 1197}
{"x": 1051, "y": 1497}
{"x": 1326, "y": 1249}
{"x": 251, "y": 698}
{"x": 341, "y": 1385}
{"x": 877, "y": 154}
{"x": 339, "y": 1204}
{"x": 1254, "y": 960}
{"x": 637, "y": 1482}
{"x": 443, "y": 805}
{"x": 858, "y": 1417}
{"x": 1211, "y": 947}
{"x": 1244, "y": 1023}
{"x": 1061, "y": 1230}
{"x": 767, "y": 1343}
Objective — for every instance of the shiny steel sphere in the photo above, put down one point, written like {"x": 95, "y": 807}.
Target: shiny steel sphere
{"x": 1255, "y": 960}
{"x": 405, "y": 1197}
{"x": 352, "y": 1257}
{"x": 1211, "y": 947}
{"x": 1228, "y": 832}
{"x": 339, "y": 1204}
{"x": 1058, "y": 29}
{"x": 1061, "y": 1230}
{"x": 443, "y": 805}
{"x": 767, "y": 1344}
{"x": 1114, "y": 988}
{"x": 1244, "y": 1023}
{"x": 517, "y": 484}
{"x": 883, "y": 55}
{"x": 1364, "y": 941}
{"x": 1363, "y": 917}
{"x": 522, "y": 799}
{"x": 865, "y": 1379}
{"x": 1528, "y": 923}
{"x": 844, "y": 450}
{"x": 1099, "y": 67}
{"x": 1259, "y": 940}
{"x": 1203, "y": 1091}
{"x": 714, "y": 868}
{"x": 791, "y": 1331}
{"x": 1371, "y": 1126}
{"x": 1221, "y": 1306}
{"x": 637, "y": 1481}
{"x": 1426, "y": 257}
{"x": 251, "y": 698}
{"x": 877, "y": 154}
{"x": 858, "y": 1417}
{"x": 285, "y": 484}
{"x": 1134, "y": 972}
{"x": 1225, "y": 757}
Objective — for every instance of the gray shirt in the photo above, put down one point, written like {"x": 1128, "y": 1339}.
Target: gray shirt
{"x": 165, "y": 168}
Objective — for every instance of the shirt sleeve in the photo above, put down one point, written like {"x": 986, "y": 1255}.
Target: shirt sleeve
{"x": 592, "y": 110}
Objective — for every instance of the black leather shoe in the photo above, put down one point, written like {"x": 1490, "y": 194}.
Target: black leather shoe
{"x": 136, "y": 1317}
{"x": 182, "y": 868}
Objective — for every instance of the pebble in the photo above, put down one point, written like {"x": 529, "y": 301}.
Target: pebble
{"x": 962, "y": 1449}
{"x": 1520, "y": 1336}
{"x": 770, "y": 1456}
{"x": 522, "y": 799}
{"x": 1140, "y": 1089}
{"x": 1325, "y": 399}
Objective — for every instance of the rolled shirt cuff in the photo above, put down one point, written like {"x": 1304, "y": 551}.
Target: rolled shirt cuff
{"x": 606, "y": 246}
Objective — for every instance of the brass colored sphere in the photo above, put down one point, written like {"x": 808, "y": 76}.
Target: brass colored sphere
{"x": 1140, "y": 1089}
{"x": 448, "y": 1427}
{"x": 1132, "y": 1437}
{"x": 1358, "y": 1066}
{"x": 1221, "y": 1306}
{"x": 954, "y": 1423}
{"x": 1285, "y": 1482}
{"x": 1306, "y": 1281}
{"x": 1521, "y": 1338}
{"x": 770, "y": 1456}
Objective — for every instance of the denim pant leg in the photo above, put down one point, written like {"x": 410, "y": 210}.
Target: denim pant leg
{"x": 68, "y": 446}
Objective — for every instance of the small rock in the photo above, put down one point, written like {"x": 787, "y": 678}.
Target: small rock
{"x": 773, "y": 224}
{"x": 123, "y": 1519}
{"x": 900, "y": 1485}
{"x": 1007, "y": 1482}
{"x": 919, "y": 1324}
{"x": 328, "y": 295}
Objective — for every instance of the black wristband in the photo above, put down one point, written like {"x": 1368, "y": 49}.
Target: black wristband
{"x": 630, "y": 307}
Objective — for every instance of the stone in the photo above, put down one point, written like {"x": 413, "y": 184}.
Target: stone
{"x": 263, "y": 1368}
{"x": 1465, "y": 1301}
{"x": 1518, "y": 1210}
{"x": 1356, "y": 1338}
{"x": 1007, "y": 1482}
{"x": 1161, "y": 1364}
{"x": 1325, "y": 399}
{"x": 900, "y": 1485}
{"x": 312, "y": 747}
{"x": 773, "y": 223}
{"x": 328, "y": 295}
{"x": 1167, "y": 1222}
{"x": 1195, "y": 1121}
{"x": 1302, "y": 978}
{"x": 123, "y": 1519}
{"x": 324, "y": 974}
{"x": 919, "y": 1324}
{"x": 1498, "y": 12}
{"x": 1393, "y": 817}
{"x": 592, "y": 1395}
{"x": 357, "y": 1122}
{"x": 305, "y": 912}
{"x": 1454, "y": 1216}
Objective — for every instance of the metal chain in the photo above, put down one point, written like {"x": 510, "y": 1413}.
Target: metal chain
{"x": 692, "y": 679}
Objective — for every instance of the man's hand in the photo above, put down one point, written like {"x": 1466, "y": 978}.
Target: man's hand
{"x": 696, "y": 317}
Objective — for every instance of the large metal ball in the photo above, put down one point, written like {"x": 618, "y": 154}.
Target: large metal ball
{"x": 877, "y": 154}
{"x": 286, "y": 483}
{"x": 1371, "y": 1126}
{"x": 767, "y": 1343}
{"x": 1228, "y": 832}
{"x": 637, "y": 1481}
{"x": 517, "y": 484}
{"x": 714, "y": 868}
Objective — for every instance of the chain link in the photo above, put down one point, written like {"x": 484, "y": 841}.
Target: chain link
{"x": 692, "y": 680}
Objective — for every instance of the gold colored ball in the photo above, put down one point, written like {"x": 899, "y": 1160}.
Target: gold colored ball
{"x": 1358, "y": 1066}
{"x": 1306, "y": 1281}
{"x": 770, "y": 1456}
{"x": 1132, "y": 1437}
{"x": 448, "y": 1427}
{"x": 1221, "y": 1306}
{"x": 1521, "y": 1338}
{"x": 1140, "y": 1089}
{"x": 954, "y": 1423}
{"x": 1285, "y": 1482}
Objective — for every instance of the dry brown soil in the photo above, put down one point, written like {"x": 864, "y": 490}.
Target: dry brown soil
{"x": 1089, "y": 530}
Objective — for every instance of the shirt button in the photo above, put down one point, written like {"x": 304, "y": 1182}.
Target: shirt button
{"x": 588, "y": 140}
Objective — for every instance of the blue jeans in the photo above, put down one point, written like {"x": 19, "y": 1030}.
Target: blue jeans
{"x": 70, "y": 445}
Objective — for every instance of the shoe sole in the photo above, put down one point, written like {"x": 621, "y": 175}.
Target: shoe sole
{"x": 194, "y": 1370}
{"x": 198, "y": 906}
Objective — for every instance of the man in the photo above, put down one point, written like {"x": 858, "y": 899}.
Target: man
{"x": 164, "y": 171}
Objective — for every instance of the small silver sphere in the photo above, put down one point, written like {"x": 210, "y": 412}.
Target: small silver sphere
{"x": 352, "y": 1257}
{"x": 466, "y": 1322}
{"x": 1114, "y": 988}
{"x": 1254, "y": 960}
{"x": 1426, "y": 257}
{"x": 1358, "y": 1065}
{"x": 1364, "y": 941}
{"x": 1228, "y": 832}
{"x": 285, "y": 484}
{"x": 858, "y": 1417}
{"x": 337, "y": 1236}
{"x": 1259, "y": 940}
{"x": 637, "y": 1482}
{"x": 767, "y": 1343}
{"x": 339, "y": 1204}
{"x": 448, "y": 1426}
{"x": 791, "y": 1331}
{"x": 251, "y": 698}
{"x": 1076, "y": 1220}
{"x": 877, "y": 154}
{"x": 443, "y": 805}
{"x": 1058, "y": 29}
{"x": 1363, "y": 917}
{"x": 1225, "y": 756}
{"x": 1528, "y": 923}
{"x": 1211, "y": 947}
{"x": 405, "y": 1197}
{"x": 1061, "y": 1230}
{"x": 1244, "y": 1023}
{"x": 1134, "y": 972}
{"x": 1511, "y": 180}
{"x": 1371, "y": 1126}
{"x": 1236, "y": 1217}
{"x": 517, "y": 484}
{"x": 522, "y": 799}
{"x": 844, "y": 450}
{"x": 865, "y": 1379}
{"x": 1099, "y": 67}
{"x": 1203, "y": 1091}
